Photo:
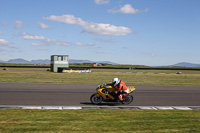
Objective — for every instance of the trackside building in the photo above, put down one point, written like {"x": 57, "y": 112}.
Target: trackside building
{"x": 59, "y": 61}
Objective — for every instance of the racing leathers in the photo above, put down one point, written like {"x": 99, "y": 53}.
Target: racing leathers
{"x": 121, "y": 90}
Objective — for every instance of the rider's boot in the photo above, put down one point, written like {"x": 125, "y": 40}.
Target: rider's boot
{"x": 124, "y": 95}
{"x": 120, "y": 98}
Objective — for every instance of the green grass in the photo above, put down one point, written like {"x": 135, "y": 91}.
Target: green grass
{"x": 97, "y": 76}
{"x": 101, "y": 75}
{"x": 103, "y": 66}
{"x": 99, "y": 120}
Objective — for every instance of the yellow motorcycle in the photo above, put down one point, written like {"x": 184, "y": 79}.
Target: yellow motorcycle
{"x": 104, "y": 94}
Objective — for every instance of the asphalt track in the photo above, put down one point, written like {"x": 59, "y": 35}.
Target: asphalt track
{"x": 67, "y": 94}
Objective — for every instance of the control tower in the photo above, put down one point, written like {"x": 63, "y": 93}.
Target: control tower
{"x": 59, "y": 61}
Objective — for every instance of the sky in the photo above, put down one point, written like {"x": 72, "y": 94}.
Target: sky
{"x": 137, "y": 32}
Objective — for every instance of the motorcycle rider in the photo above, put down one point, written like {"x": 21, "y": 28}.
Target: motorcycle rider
{"x": 121, "y": 89}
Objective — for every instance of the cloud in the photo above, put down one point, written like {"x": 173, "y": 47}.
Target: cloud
{"x": 18, "y": 24}
{"x": 30, "y": 37}
{"x": 43, "y": 26}
{"x": 6, "y": 44}
{"x": 38, "y": 44}
{"x": 62, "y": 35}
{"x": 3, "y": 50}
{"x": 20, "y": 34}
{"x": 91, "y": 45}
{"x": 3, "y": 41}
{"x": 100, "y": 52}
{"x": 47, "y": 42}
{"x": 101, "y": 2}
{"x": 0, "y": 32}
{"x": 91, "y": 27}
{"x": 42, "y": 41}
{"x": 5, "y": 24}
{"x": 107, "y": 40}
{"x": 80, "y": 44}
{"x": 63, "y": 43}
{"x": 67, "y": 19}
{"x": 106, "y": 29}
{"x": 127, "y": 9}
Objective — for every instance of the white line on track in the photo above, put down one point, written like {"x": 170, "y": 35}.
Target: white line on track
{"x": 103, "y": 107}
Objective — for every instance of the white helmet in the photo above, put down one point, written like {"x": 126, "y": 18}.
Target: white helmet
{"x": 115, "y": 81}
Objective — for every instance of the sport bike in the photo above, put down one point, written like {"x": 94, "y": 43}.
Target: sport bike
{"x": 104, "y": 94}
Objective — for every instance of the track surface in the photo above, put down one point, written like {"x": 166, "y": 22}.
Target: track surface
{"x": 67, "y": 94}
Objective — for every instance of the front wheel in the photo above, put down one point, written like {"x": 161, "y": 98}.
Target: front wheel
{"x": 128, "y": 99}
{"x": 96, "y": 99}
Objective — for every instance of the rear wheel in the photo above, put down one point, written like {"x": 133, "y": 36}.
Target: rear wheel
{"x": 128, "y": 99}
{"x": 96, "y": 99}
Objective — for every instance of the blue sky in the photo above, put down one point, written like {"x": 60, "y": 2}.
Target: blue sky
{"x": 138, "y": 32}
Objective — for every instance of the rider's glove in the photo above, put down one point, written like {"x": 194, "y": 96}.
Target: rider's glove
{"x": 103, "y": 85}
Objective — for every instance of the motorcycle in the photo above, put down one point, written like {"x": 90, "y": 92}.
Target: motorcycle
{"x": 104, "y": 94}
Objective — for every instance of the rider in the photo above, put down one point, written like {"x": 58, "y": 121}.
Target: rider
{"x": 121, "y": 89}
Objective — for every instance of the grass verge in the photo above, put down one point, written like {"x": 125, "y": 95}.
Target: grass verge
{"x": 40, "y": 75}
{"x": 99, "y": 120}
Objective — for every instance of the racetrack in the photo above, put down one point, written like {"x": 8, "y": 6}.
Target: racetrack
{"x": 68, "y": 94}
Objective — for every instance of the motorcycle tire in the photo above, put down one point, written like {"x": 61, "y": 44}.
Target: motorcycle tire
{"x": 96, "y": 99}
{"x": 128, "y": 99}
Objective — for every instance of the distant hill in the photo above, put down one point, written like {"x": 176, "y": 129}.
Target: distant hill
{"x": 18, "y": 61}
{"x": 22, "y": 61}
{"x": 80, "y": 61}
{"x": 186, "y": 64}
{"x": 71, "y": 61}
{"x": 88, "y": 61}
{"x": 1, "y": 61}
{"x": 47, "y": 61}
{"x": 40, "y": 61}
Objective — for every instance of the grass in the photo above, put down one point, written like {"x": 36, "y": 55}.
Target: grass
{"x": 99, "y": 120}
{"x": 103, "y": 66}
{"x": 40, "y": 75}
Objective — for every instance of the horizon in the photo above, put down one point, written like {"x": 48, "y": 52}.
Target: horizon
{"x": 113, "y": 63}
{"x": 152, "y": 33}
